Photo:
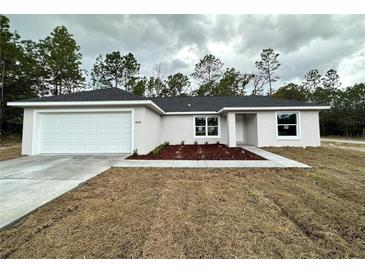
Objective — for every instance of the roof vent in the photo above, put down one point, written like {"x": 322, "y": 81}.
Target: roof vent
{"x": 189, "y": 105}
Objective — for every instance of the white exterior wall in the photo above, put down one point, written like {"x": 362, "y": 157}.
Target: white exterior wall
{"x": 308, "y": 127}
{"x": 27, "y": 138}
{"x": 152, "y": 131}
{"x": 177, "y": 128}
{"x": 231, "y": 128}
{"x": 145, "y": 132}
{"x": 240, "y": 124}
{"x": 250, "y": 128}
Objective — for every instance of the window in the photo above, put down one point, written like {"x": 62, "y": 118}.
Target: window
{"x": 287, "y": 123}
{"x": 206, "y": 126}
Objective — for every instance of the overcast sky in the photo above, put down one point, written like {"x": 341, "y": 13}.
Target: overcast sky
{"x": 179, "y": 41}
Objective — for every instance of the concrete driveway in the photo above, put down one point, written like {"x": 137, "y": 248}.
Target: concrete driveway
{"x": 29, "y": 182}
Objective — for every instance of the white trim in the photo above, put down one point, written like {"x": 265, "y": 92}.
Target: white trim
{"x": 206, "y": 127}
{"x": 87, "y": 103}
{"x": 86, "y": 110}
{"x": 273, "y": 108}
{"x": 132, "y": 130}
{"x": 298, "y": 125}
{"x": 257, "y": 129}
{"x": 80, "y": 103}
{"x": 156, "y": 107}
{"x": 191, "y": 113}
{"x": 36, "y": 129}
{"x": 231, "y": 129}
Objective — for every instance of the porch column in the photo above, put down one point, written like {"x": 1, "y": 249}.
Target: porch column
{"x": 231, "y": 125}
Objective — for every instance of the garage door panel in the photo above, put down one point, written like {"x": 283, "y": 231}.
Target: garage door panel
{"x": 85, "y": 132}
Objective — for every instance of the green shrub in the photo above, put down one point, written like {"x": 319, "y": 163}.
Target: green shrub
{"x": 135, "y": 152}
{"x": 196, "y": 142}
{"x": 182, "y": 143}
{"x": 206, "y": 142}
{"x": 157, "y": 150}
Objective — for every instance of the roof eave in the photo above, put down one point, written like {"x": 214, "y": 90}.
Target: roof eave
{"x": 228, "y": 109}
{"x": 154, "y": 106}
{"x": 148, "y": 103}
{"x": 189, "y": 112}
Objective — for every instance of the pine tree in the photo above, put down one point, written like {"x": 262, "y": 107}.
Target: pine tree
{"x": 207, "y": 72}
{"x": 176, "y": 85}
{"x": 268, "y": 65}
{"x": 115, "y": 70}
{"x": 60, "y": 57}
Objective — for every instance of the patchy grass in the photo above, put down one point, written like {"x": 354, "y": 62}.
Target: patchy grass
{"x": 355, "y": 138}
{"x": 206, "y": 213}
{"x": 10, "y": 147}
{"x": 10, "y": 140}
{"x": 10, "y": 152}
{"x": 338, "y": 144}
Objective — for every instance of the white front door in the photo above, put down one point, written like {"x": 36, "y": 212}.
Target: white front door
{"x": 85, "y": 132}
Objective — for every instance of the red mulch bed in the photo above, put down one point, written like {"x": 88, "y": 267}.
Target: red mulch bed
{"x": 200, "y": 152}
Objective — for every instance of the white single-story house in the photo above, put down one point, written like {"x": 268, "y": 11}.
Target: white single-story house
{"x": 115, "y": 121}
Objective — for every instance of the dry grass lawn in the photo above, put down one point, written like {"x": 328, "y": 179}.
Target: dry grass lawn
{"x": 326, "y": 143}
{"x": 206, "y": 213}
{"x": 10, "y": 148}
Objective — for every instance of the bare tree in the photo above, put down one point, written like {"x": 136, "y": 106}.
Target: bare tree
{"x": 158, "y": 78}
{"x": 267, "y": 66}
{"x": 259, "y": 81}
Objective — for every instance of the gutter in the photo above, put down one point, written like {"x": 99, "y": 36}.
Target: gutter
{"x": 228, "y": 109}
{"x": 149, "y": 103}
{"x": 152, "y": 105}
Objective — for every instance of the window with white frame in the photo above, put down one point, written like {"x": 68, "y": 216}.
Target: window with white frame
{"x": 287, "y": 123}
{"x": 206, "y": 126}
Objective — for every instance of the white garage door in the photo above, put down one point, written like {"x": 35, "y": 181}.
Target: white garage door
{"x": 97, "y": 132}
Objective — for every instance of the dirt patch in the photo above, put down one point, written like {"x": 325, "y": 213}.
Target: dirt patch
{"x": 10, "y": 147}
{"x": 10, "y": 152}
{"x": 346, "y": 147}
{"x": 350, "y": 146}
{"x": 199, "y": 152}
{"x": 206, "y": 213}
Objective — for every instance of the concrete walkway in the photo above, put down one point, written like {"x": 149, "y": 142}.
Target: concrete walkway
{"x": 273, "y": 161}
{"x": 29, "y": 182}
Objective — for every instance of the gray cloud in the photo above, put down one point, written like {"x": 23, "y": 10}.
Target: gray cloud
{"x": 179, "y": 41}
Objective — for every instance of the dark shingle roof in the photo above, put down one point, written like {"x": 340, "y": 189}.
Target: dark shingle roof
{"x": 105, "y": 94}
{"x": 176, "y": 104}
{"x": 215, "y": 103}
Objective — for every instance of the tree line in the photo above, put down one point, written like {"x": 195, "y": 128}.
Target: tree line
{"x": 347, "y": 114}
{"x": 116, "y": 70}
{"x": 52, "y": 66}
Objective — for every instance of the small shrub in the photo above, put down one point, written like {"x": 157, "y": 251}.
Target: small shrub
{"x": 157, "y": 150}
{"x": 196, "y": 142}
{"x": 218, "y": 143}
{"x": 182, "y": 143}
{"x": 206, "y": 142}
{"x": 135, "y": 152}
